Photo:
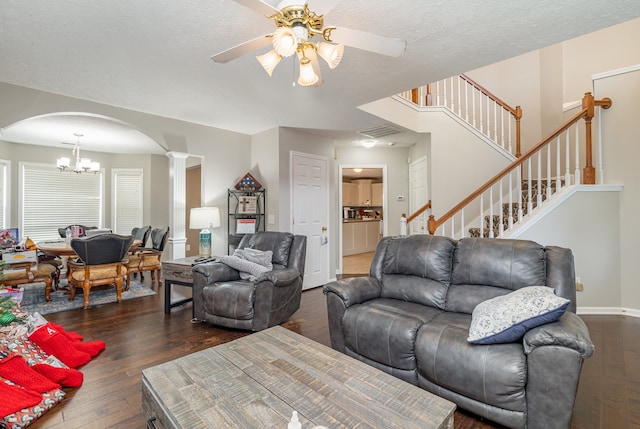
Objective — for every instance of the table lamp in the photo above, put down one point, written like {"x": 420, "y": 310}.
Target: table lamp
{"x": 204, "y": 218}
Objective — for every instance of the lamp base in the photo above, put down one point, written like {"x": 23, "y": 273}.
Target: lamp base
{"x": 204, "y": 248}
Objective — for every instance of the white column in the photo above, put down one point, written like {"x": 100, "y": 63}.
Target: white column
{"x": 177, "y": 240}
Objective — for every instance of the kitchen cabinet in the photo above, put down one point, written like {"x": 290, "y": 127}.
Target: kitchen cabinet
{"x": 364, "y": 191}
{"x": 350, "y": 194}
{"x": 360, "y": 237}
{"x": 376, "y": 194}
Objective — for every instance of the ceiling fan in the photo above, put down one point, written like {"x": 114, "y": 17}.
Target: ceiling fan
{"x": 296, "y": 26}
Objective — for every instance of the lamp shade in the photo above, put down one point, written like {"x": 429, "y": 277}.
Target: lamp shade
{"x": 331, "y": 53}
{"x": 204, "y": 218}
{"x": 269, "y": 61}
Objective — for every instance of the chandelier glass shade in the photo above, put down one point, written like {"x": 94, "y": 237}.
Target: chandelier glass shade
{"x": 82, "y": 165}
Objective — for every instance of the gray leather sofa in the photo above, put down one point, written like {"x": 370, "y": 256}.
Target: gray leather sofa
{"x": 222, "y": 298}
{"x": 411, "y": 318}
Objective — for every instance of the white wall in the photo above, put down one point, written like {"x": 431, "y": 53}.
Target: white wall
{"x": 588, "y": 223}
{"x": 621, "y": 155}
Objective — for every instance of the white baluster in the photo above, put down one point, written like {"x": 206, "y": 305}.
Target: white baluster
{"x": 495, "y": 122}
{"x": 481, "y": 116}
{"x": 491, "y": 212}
{"x": 600, "y": 162}
{"x": 501, "y": 211}
{"x": 530, "y": 189}
{"x": 567, "y": 161}
{"x": 548, "y": 190}
{"x": 519, "y": 187}
{"x": 509, "y": 122}
{"x": 473, "y": 105}
{"x": 459, "y": 100}
{"x": 510, "y": 212}
{"x": 539, "y": 180}
{"x": 482, "y": 215}
{"x": 577, "y": 155}
{"x": 462, "y": 223}
{"x": 558, "y": 162}
{"x": 466, "y": 101}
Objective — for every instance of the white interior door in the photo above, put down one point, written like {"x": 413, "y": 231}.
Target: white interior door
{"x": 419, "y": 194}
{"x": 310, "y": 207}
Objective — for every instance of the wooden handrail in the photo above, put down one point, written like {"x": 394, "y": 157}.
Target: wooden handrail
{"x": 587, "y": 112}
{"x": 418, "y": 212}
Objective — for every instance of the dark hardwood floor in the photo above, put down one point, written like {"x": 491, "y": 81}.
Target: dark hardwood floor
{"x": 139, "y": 335}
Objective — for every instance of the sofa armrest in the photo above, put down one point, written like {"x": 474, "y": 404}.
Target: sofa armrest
{"x": 212, "y": 272}
{"x": 354, "y": 290}
{"x": 279, "y": 278}
{"x": 569, "y": 331}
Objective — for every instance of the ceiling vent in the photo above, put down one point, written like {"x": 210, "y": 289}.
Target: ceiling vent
{"x": 381, "y": 131}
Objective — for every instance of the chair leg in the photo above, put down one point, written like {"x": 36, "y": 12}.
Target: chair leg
{"x": 86, "y": 287}
{"x": 47, "y": 288}
{"x": 119, "y": 289}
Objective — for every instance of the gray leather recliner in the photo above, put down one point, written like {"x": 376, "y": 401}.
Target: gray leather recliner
{"x": 222, "y": 298}
{"x": 411, "y": 318}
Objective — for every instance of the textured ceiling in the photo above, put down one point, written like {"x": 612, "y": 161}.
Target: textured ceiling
{"x": 154, "y": 55}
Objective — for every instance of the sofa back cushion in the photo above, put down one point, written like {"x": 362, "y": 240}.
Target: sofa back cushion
{"x": 415, "y": 268}
{"x": 279, "y": 243}
{"x": 487, "y": 268}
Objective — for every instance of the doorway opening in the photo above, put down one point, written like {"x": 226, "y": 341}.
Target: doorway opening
{"x": 362, "y": 215}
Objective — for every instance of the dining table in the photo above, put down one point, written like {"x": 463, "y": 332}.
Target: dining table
{"x": 63, "y": 248}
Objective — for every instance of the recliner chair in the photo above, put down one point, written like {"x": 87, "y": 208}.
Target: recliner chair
{"x": 222, "y": 297}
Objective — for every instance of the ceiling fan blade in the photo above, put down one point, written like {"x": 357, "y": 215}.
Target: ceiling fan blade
{"x": 259, "y": 6}
{"x": 242, "y": 48}
{"x": 369, "y": 41}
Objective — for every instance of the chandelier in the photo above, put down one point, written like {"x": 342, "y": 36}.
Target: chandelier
{"x": 295, "y": 26}
{"x": 82, "y": 165}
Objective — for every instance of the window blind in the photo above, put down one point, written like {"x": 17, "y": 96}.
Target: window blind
{"x": 52, "y": 199}
{"x": 127, "y": 200}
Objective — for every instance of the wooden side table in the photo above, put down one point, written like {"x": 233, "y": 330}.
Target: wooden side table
{"x": 177, "y": 272}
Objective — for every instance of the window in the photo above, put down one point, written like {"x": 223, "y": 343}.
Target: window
{"x": 4, "y": 193}
{"x": 127, "y": 200}
{"x": 52, "y": 199}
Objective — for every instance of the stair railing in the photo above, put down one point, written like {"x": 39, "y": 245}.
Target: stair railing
{"x": 421, "y": 221}
{"x": 476, "y": 105}
{"x": 526, "y": 183}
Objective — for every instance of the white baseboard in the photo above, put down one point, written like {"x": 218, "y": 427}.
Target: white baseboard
{"x": 608, "y": 311}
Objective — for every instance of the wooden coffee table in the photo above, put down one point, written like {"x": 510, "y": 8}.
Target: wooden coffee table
{"x": 258, "y": 380}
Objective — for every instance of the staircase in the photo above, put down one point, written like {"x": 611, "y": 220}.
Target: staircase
{"x": 511, "y": 211}
{"x": 562, "y": 159}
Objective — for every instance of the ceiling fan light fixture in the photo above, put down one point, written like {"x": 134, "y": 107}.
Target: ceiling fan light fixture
{"x": 308, "y": 76}
{"x": 331, "y": 53}
{"x": 269, "y": 61}
{"x": 285, "y": 41}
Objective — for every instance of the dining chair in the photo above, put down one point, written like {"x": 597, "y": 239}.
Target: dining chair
{"x": 148, "y": 259}
{"x": 101, "y": 261}
{"x": 142, "y": 234}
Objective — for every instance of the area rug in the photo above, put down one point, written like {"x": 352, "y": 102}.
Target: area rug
{"x": 35, "y": 302}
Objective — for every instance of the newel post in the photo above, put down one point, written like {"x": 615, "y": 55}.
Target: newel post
{"x": 588, "y": 172}
{"x": 431, "y": 225}
{"x": 414, "y": 95}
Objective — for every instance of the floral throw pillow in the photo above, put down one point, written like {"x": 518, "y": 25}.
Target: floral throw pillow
{"x": 507, "y": 318}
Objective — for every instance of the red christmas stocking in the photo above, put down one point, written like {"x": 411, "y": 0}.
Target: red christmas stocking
{"x": 15, "y": 398}
{"x": 53, "y": 342}
{"x": 14, "y": 368}
{"x": 91, "y": 347}
{"x": 73, "y": 336}
{"x": 67, "y": 377}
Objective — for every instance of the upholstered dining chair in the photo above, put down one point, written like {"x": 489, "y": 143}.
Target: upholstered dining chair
{"x": 101, "y": 261}
{"x": 142, "y": 234}
{"x": 148, "y": 259}
{"x": 237, "y": 294}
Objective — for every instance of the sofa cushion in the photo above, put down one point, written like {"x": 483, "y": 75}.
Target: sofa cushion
{"x": 384, "y": 330}
{"x": 507, "y": 318}
{"x": 494, "y": 375}
{"x": 486, "y": 268}
{"x": 417, "y": 269}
